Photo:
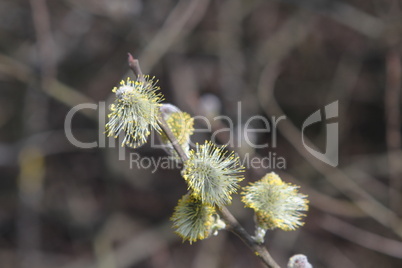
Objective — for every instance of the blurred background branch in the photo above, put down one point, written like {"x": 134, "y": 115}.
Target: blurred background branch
{"x": 70, "y": 207}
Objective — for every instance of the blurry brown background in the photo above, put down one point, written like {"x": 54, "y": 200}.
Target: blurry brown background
{"x": 62, "y": 206}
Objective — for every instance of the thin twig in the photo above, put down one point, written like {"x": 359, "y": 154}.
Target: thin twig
{"x": 345, "y": 14}
{"x": 258, "y": 249}
{"x": 56, "y": 89}
{"x": 362, "y": 237}
{"x": 233, "y": 225}
{"x": 165, "y": 128}
{"x": 135, "y": 67}
{"x": 392, "y": 99}
{"x": 183, "y": 18}
{"x": 45, "y": 43}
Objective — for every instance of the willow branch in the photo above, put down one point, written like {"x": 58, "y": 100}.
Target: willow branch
{"x": 168, "y": 132}
{"x": 135, "y": 67}
{"x": 259, "y": 250}
{"x": 232, "y": 224}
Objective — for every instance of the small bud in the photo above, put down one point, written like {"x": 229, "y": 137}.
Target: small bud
{"x": 259, "y": 235}
{"x": 217, "y": 225}
{"x": 299, "y": 261}
{"x": 167, "y": 109}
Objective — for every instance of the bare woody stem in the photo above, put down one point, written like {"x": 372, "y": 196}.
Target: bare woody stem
{"x": 135, "y": 67}
{"x": 232, "y": 224}
{"x": 168, "y": 132}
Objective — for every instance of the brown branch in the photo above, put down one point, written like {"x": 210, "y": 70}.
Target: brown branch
{"x": 258, "y": 249}
{"x": 180, "y": 22}
{"x": 393, "y": 124}
{"x": 165, "y": 128}
{"x": 233, "y": 225}
{"x": 362, "y": 237}
{"x": 135, "y": 67}
{"x": 45, "y": 43}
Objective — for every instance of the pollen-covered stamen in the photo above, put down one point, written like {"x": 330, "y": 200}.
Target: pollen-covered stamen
{"x": 212, "y": 174}
{"x": 182, "y": 126}
{"x": 192, "y": 219}
{"x": 276, "y": 204}
{"x": 122, "y": 91}
{"x": 135, "y": 111}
